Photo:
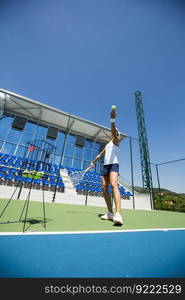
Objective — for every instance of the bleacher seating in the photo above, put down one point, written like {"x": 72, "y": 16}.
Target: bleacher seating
{"x": 91, "y": 184}
{"x": 12, "y": 167}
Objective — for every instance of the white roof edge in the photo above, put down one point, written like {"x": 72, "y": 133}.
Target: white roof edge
{"x": 56, "y": 110}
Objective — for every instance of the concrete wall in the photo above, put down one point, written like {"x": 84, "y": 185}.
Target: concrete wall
{"x": 142, "y": 201}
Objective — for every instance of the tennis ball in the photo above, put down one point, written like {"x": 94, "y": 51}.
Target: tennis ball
{"x": 113, "y": 107}
{"x": 25, "y": 173}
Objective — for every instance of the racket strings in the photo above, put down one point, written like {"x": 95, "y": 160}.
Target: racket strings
{"x": 76, "y": 177}
{"x": 81, "y": 177}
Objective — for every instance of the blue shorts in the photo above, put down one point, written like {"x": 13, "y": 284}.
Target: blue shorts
{"x": 106, "y": 169}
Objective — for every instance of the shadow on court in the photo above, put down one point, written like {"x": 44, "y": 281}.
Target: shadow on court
{"x": 29, "y": 222}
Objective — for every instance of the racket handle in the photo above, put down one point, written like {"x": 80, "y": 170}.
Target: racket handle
{"x": 88, "y": 169}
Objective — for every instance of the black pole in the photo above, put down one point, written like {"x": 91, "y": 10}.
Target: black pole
{"x": 86, "y": 197}
{"x": 151, "y": 190}
{"x": 159, "y": 187}
{"x": 20, "y": 190}
{"x": 132, "y": 173}
{"x": 26, "y": 206}
{"x": 44, "y": 211}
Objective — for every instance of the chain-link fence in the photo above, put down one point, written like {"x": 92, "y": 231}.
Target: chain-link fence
{"x": 168, "y": 178}
{"x": 169, "y": 185}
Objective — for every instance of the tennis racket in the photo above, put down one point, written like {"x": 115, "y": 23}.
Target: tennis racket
{"x": 77, "y": 176}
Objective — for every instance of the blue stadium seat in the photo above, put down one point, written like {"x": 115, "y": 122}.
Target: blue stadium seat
{"x": 60, "y": 184}
{"x": 3, "y": 169}
{"x": 30, "y": 168}
{"x": 18, "y": 178}
{"x": 27, "y": 180}
{"x": 92, "y": 183}
{"x": 60, "y": 187}
{"x": 45, "y": 182}
{"x": 37, "y": 184}
{"x": 53, "y": 183}
{"x": 1, "y": 177}
{"x": 3, "y": 159}
{"x": 12, "y": 170}
{"x": 60, "y": 179}
{"x": 9, "y": 178}
{"x": 17, "y": 163}
{"x": 51, "y": 171}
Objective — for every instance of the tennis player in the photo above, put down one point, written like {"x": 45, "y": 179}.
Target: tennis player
{"x": 110, "y": 173}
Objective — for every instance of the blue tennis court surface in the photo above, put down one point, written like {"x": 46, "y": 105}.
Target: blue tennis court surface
{"x": 155, "y": 253}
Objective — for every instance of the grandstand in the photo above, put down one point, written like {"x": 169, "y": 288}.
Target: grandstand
{"x": 76, "y": 142}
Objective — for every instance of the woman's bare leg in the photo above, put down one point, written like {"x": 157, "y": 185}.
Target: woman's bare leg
{"x": 115, "y": 190}
{"x": 106, "y": 194}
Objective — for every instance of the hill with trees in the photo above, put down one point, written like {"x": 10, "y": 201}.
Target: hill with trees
{"x": 165, "y": 199}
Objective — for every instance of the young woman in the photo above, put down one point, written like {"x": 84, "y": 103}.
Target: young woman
{"x": 110, "y": 173}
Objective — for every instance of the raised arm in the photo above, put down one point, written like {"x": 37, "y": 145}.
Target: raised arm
{"x": 114, "y": 130}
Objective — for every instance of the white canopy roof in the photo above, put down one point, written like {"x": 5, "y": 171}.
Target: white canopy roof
{"x": 38, "y": 112}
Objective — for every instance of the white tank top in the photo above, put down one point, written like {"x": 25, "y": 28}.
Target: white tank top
{"x": 111, "y": 154}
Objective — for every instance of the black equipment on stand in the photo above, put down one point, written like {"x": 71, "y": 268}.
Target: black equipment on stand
{"x": 36, "y": 163}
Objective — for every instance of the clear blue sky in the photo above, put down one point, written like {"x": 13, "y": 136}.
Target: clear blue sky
{"x": 82, "y": 56}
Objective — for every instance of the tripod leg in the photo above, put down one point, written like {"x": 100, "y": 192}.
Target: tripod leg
{"x": 23, "y": 209}
{"x": 25, "y": 218}
{"x": 43, "y": 202}
{"x": 20, "y": 190}
{"x": 26, "y": 206}
{"x": 8, "y": 202}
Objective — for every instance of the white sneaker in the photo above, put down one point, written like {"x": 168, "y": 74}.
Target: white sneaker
{"x": 117, "y": 219}
{"x": 107, "y": 216}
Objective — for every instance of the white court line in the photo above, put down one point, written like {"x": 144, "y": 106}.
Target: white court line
{"x": 86, "y": 232}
